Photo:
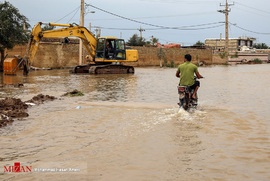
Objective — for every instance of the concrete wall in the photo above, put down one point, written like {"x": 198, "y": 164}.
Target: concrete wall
{"x": 55, "y": 55}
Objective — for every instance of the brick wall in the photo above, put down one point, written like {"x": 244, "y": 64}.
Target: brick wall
{"x": 55, "y": 55}
{"x": 148, "y": 56}
{"x": 51, "y": 55}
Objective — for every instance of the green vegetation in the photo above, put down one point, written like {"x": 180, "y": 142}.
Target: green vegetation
{"x": 257, "y": 60}
{"x": 74, "y": 93}
{"x": 135, "y": 40}
{"x": 155, "y": 40}
{"x": 12, "y": 31}
{"x": 171, "y": 64}
{"x": 226, "y": 63}
{"x": 260, "y": 46}
{"x": 235, "y": 55}
{"x": 199, "y": 43}
{"x": 222, "y": 55}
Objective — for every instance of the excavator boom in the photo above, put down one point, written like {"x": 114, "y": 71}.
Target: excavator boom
{"x": 37, "y": 34}
{"x": 117, "y": 52}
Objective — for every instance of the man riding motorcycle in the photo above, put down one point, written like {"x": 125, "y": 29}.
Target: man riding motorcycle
{"x": 186, "y": 72}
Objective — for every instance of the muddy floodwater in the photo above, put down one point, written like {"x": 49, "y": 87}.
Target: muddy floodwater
{"x": 129, "y": 128}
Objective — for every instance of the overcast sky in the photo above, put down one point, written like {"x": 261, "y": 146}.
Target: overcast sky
{"x": 171, "y": 21}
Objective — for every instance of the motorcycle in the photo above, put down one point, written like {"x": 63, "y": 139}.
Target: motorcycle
{"x": 185, "y": 100}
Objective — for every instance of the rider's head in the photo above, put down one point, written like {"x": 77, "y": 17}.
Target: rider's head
{"x": 188, "y": 57}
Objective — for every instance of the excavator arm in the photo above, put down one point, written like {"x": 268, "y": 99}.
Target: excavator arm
{"x": 108, "y": 53}
{"x": 37, "y": 34}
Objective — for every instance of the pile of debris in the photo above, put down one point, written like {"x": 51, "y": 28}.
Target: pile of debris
{"x": 73, "y": 93}
{"x": 12, "y": 108}
{"x": 40, "y": 98}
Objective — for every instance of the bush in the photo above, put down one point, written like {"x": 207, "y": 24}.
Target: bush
{"x": 171, "y": 64}
{"x": 257, "y": 60}
{"x": 222, "y": 55}
{"x": 235, "y": 55}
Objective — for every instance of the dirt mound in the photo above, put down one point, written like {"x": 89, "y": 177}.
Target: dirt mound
{"x": 73, "y": 93}
{"x": 40, "y": 98}
{"x": 12, "y": 108}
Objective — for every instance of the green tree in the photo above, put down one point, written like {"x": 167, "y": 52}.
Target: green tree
{"x": 132, "y": 41}
{"x": 11, "y": 28}
{"x": 260, "y": 46}
{"x": 141, "y": 42}
{"x": 199, "y": 43}
{"x": 135, "y": 40}
{"x": 155, "y": 40}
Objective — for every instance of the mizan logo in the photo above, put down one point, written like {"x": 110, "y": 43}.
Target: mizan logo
{"x": 17, "y": 168}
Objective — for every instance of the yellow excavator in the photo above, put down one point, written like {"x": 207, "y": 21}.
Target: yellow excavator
{"x": 106, "y": 54}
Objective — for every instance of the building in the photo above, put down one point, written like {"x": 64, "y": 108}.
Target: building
{"x": 235, "y": 44}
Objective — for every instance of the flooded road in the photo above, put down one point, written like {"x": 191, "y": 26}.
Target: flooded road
{"x": 129, "y": 127}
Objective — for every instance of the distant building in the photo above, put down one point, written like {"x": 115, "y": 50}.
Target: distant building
{"x": 235, "y": 44}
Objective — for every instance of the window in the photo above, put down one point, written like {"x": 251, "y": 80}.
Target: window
{"x": 120, "y": 49}
{"x": 100, "y": 48}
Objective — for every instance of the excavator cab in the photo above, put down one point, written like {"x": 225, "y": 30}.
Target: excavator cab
{"x": 107, "y": 53}
{"x": 109, "y": 49}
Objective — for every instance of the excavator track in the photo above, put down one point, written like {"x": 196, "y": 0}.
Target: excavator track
{"x": 81, "y": 69}
{"x": 103, "y": 69}
{"x": 104, "y": 52}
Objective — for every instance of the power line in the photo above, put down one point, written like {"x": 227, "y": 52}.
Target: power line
{"x": 180, "y": 1}
{"x": 149, "y": 29}
{"x": 68, "y": 14}
{"x": 179, "y": 28}
{"x": 73, "y": 15}
{"x": 158, "y": 26}
{"x": 248, "y": 30}
{"x": 253, "y": 8}
{"x": 250, "y": 12}
{"x": 126, "y": 17}
{"x": 158, "y": 17}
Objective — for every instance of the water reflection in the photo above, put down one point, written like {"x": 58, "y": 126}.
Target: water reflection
{"x": 9, "y": 79}
{"x": 113, "y": 87}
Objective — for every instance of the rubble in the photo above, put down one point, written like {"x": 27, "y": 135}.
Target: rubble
{"x": 73, "y": 93}
{"x": 12, "y": 108}
{"x": 40, "y": 98}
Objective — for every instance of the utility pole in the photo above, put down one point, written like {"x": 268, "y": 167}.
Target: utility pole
{"x": 141, "y": 30}
{"x": 82, "y": 24}
{"x": 98, "y": 32}
{"x": 226, "y": 12}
